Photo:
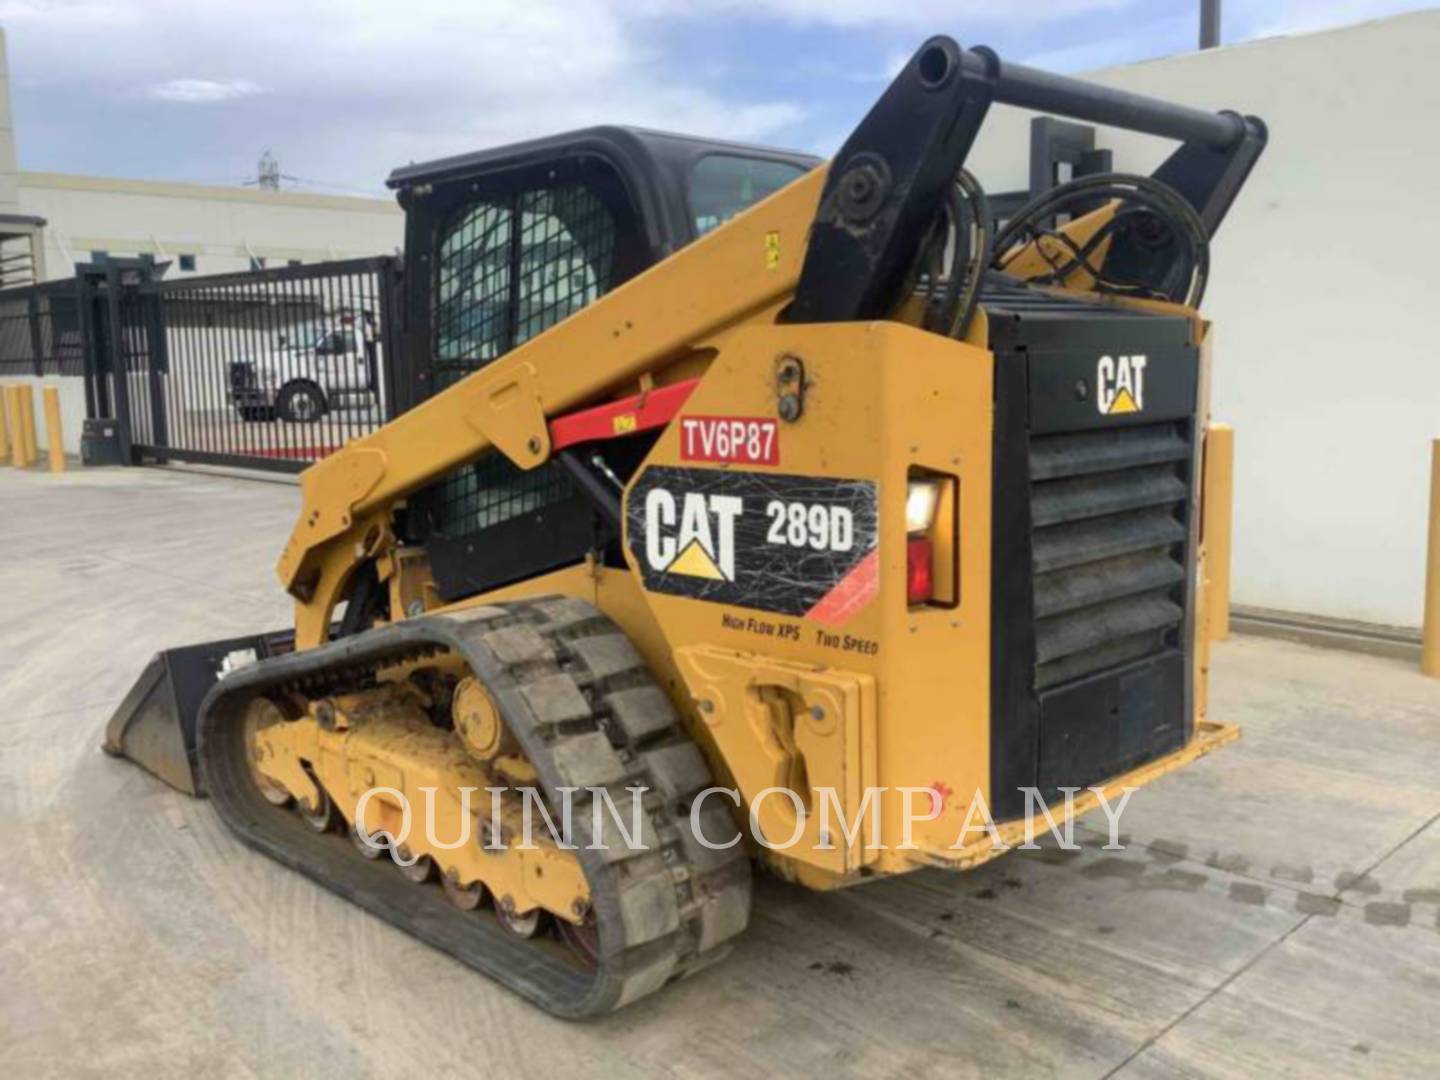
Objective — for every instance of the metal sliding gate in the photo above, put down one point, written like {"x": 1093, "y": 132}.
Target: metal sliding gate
{"x": 270, "y": 369}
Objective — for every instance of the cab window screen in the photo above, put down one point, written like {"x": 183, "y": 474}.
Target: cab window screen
{"x": 512, "y": 267}
{"x": 724, "y": 184}
{"x": 509, "y": 268}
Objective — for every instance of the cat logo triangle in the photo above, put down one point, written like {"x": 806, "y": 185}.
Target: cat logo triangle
{"x": 1123, "y": 403}
{"x": 1120, "y": 384}
{"x": 695, "y": 561}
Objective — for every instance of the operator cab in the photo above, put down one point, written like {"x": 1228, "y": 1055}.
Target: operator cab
{"x": 504, "y": 244}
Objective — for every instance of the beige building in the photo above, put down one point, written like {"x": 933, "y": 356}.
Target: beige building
{"x": 200, "y": 229}
{"x": 21, "y": 249}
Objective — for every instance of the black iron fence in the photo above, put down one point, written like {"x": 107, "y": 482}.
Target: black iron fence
{"x": 40, "y": 330}
{"x": 271, "y": 369}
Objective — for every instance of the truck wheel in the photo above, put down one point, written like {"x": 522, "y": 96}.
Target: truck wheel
{"x": 300, "y": 403}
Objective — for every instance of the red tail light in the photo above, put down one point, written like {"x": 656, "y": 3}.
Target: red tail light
{"x": 919, "y": 570}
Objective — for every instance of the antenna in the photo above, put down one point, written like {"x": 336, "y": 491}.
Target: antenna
{"x": 1209, "y": 23}
{"x": 268, "y": 174}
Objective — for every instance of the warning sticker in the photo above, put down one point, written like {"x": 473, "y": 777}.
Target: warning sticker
{"x": 792, "y": 545}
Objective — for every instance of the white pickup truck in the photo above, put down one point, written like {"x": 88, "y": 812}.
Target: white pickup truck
{"x": 312, "y": 372}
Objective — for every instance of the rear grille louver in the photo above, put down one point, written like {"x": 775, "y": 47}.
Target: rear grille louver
{"x": 1108, "y": 513}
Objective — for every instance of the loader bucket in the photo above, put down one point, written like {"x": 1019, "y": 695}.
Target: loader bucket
{"x": 155, "y": 724}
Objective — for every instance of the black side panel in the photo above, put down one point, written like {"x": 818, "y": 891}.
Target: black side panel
{"x": 1014, "y": 710}
{"x": 537, "y": 542}
{"x": 1107, "y": 724}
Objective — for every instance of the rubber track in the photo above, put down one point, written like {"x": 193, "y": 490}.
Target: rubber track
{"x": 587, "y": 713}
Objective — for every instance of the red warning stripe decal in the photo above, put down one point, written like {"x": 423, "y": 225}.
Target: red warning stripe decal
{"x": 640, "y": 412}
{"x": 850, "y": 594}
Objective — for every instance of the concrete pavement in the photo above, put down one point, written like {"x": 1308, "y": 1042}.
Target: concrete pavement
{"x": 1276, "y": 910}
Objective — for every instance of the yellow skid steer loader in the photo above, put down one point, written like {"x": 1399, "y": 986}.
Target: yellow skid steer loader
{"x": 756, "y": 508}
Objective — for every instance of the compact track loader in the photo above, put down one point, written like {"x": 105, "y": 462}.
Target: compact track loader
{"x": 755, "y": 509}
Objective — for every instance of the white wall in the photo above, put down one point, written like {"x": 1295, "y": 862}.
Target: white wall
{"x": 223, "y": 227}
{"x": 1325, "y": 294}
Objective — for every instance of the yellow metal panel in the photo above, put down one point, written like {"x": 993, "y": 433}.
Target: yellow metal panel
{"x": 804, "y": 728}
{"x": 882, "y": 398}
{"x": 1045, "y": 255}
{"x": 506, "y": 411}
{"x": 1209, "y": 736}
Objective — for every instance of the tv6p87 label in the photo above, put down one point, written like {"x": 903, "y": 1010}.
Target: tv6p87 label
{"x": 740, "y": 440}
{"x": 791, "y": 545}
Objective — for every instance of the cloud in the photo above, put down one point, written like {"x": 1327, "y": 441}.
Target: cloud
{"x": 1270, "y": 18}
{"x": 1165, "y": 29}
{"x": 351, "y": 88}
{"x": 924, "y": 15}
{"x": 1092, "y": 53}
{"x": 201, "y": 91}
{"x": 344, "y": 90}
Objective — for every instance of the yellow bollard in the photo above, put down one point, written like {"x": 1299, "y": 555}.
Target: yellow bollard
{"x": 1430, "y": 639}
{"x": 53, "y": 435}
{"x": 1219, "y": 497}
{"x": 27, "y": 423}
{"x": 13, "y": 403}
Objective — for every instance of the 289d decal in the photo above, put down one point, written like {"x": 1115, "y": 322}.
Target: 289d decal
{"x": 792, "y": 545}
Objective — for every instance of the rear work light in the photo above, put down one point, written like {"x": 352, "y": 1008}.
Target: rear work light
{"x": 931, "y": 540}
{"x": 921, "y": 499}
{"x": 919, "y": 570}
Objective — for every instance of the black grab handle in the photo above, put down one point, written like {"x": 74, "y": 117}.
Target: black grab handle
{"x": 1030, "y": 88}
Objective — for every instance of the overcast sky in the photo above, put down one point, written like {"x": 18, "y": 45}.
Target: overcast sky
{"x": 341, "y": 91}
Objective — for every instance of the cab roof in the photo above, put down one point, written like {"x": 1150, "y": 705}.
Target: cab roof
{"x": 652, "y": 152}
